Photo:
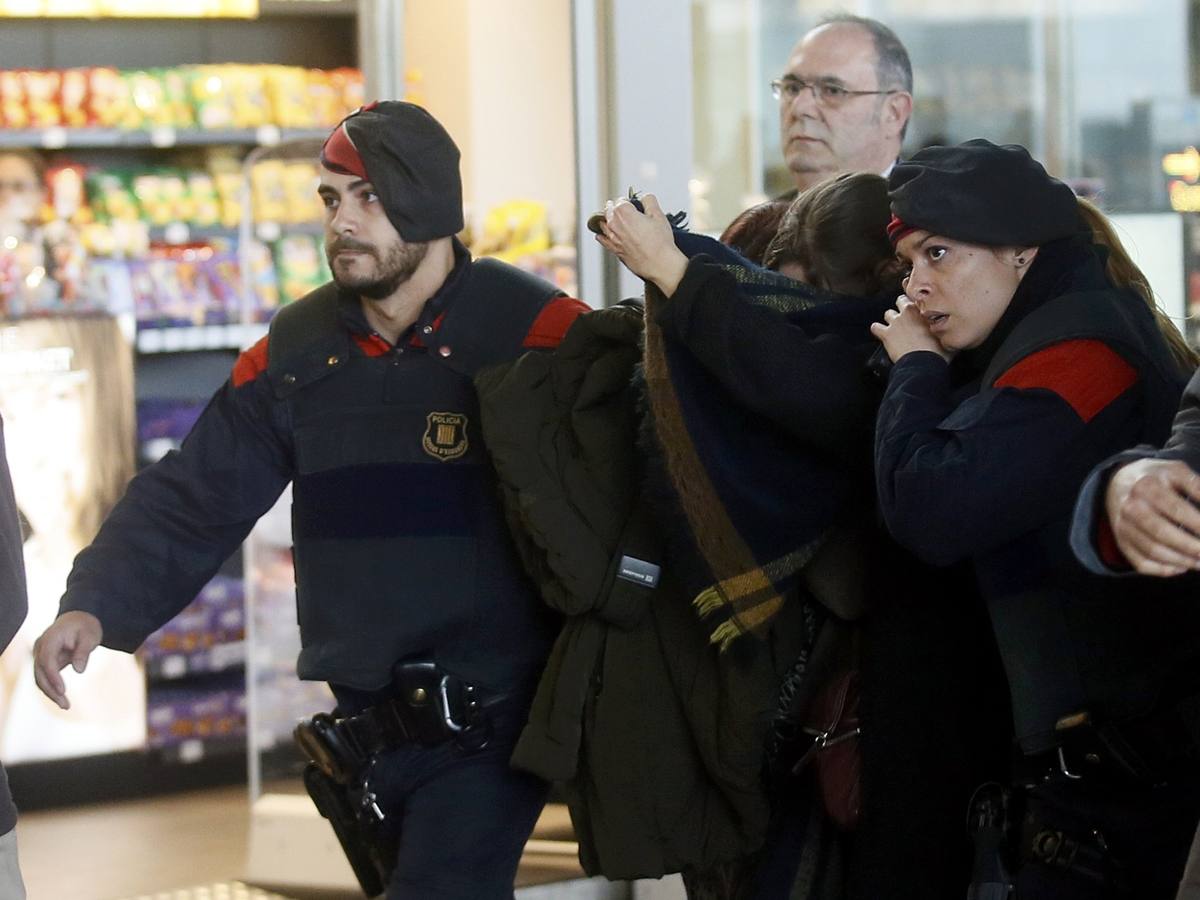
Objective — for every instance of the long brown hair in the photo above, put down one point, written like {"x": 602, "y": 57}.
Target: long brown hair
{"x": 837, "y": 232}
{"x": 751, "y": 233}
{"x": 1123, "y": 272}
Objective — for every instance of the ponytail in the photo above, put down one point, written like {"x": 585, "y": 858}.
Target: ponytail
{"x": 1124, "y": 273}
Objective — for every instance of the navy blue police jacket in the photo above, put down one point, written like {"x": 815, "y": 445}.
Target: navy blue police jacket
{"x": 400, "y": 545}
{"x": 986, "y": 469}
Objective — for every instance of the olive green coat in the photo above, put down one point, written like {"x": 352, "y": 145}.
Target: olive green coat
{"x": 657, "y": 738}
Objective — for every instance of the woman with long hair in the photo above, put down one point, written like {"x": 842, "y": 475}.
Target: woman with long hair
{"x": 1027, "y": 348}
{"x": 787, "y": 379}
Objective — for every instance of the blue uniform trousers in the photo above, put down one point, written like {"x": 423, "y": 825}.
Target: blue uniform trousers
{"x": 463, "y": 816}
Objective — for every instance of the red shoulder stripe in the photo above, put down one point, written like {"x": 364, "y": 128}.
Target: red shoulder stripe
{"x": 251, "y": 363}
{"x": 553, "y": 322}
{"x": 1088, "y": 374}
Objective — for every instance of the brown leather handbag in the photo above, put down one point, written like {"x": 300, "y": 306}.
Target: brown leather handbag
{"x": 834, "y": 754}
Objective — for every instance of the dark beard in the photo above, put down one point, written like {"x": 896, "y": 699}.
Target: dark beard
{"x": 395, "y": 268}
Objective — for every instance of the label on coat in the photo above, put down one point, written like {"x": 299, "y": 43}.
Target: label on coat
{"x": 638, "y": 571}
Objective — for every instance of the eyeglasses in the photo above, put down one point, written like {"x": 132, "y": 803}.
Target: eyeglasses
{"x": 825, "y": 93}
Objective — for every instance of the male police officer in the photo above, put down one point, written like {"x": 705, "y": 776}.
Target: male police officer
{"x": 844, "y": 100}
{"x": 412, "y": 604}
{"x": 1141, "y": 509}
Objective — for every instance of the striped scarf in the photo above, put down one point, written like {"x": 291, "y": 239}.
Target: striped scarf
{"x": 756, "y": 506}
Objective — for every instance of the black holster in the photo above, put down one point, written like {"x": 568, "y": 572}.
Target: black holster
{"x": 428, "y": 706}
{"x": 989, "y": 823}
{"x": 1014, "y": 828}
{"x": 370, "y": 847}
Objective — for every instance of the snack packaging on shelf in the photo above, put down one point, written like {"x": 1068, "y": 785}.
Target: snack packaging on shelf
{"x": 325, "y": 97}
{"x": 171, "y": 287}
{"x": 110, "y": 196}
{"x": 298, "y": 263}
{"x": 109, "y": 99}
{"x": 116, "y": 237}
{"x": 42, "y": 97}
{"x": 264, "y": 284}
{"x": 291, "y": 104}
{"x": 268, "y": 187}
{"x": 65, "y": 191}
{"x": 151, "y": 197}
{"x": 211, "y": 97}
{"x": 217, "y": 615}
{"x": 227, "y": 177}
{"x": 150, "y": 107}
{"x": 224, "y": 282}
{"x": 107, "y": 282}
{"x": 76, "y": 112}
{"x": 176, "y": 714}
{"x": 270, "y": 581}
{"x": 13, "y": 111}
{"x": 65, "y": 264}
{"x": 176, "y": 197}
{"x": 215, "y": 96}
{"x": 300, "y": 181}
{"x": 514, "y": 230}
{"x": 205, "y": 201}
{"x": 176, "y": 97}
{"x": 248, "y": 93}
{"x": 349, "y": 83}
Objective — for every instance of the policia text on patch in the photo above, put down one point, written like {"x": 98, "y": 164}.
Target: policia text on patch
{"x": 429, "y": 706}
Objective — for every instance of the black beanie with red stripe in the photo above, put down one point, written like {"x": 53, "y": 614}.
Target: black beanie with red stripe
{"x": 981, "y": 193}
{"x": 411, "y": 161}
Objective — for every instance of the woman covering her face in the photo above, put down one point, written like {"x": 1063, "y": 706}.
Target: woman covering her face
{"x": 1027, "y": 349}
{"x": 796, "y": 379}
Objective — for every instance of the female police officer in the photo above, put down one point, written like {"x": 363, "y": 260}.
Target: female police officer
{"x": 1027, "y": 349}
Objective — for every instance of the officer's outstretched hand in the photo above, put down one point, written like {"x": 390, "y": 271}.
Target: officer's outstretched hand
{"x": 1152, "y": 507}
{"x": 70, "y": 640}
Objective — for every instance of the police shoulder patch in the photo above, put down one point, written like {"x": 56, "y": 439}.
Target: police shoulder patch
{"x": 445, "y": 435}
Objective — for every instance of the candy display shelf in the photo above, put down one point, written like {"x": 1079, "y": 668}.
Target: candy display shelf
{"x": 199, "y": 690}
{"x": 178, "y": 338}
{"x": 165, "y": 137}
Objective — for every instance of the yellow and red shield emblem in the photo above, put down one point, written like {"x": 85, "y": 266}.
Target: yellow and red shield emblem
{"x": 445, "y": 435}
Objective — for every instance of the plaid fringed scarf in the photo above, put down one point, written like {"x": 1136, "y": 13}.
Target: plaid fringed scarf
{"x": 756, "y": 506}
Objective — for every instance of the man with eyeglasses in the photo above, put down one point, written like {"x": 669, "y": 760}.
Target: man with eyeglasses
{"x": 844, "y": 100}
{"x": 928, "y": 706}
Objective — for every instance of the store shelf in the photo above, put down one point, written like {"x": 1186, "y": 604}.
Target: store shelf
{"x": 193, "y": 750}
{"x": 199, "y": 337}
{"x": 221, "y": 658}
{"x": 165, "y": 137}
{"x": 183, "y": 233}
{"x": 265, "y": 8}
{"x": 307, "y": 8}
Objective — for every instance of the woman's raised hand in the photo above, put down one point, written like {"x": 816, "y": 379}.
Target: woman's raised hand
{"x": 904, "y": 330}
{"x": 643, "y": 242}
